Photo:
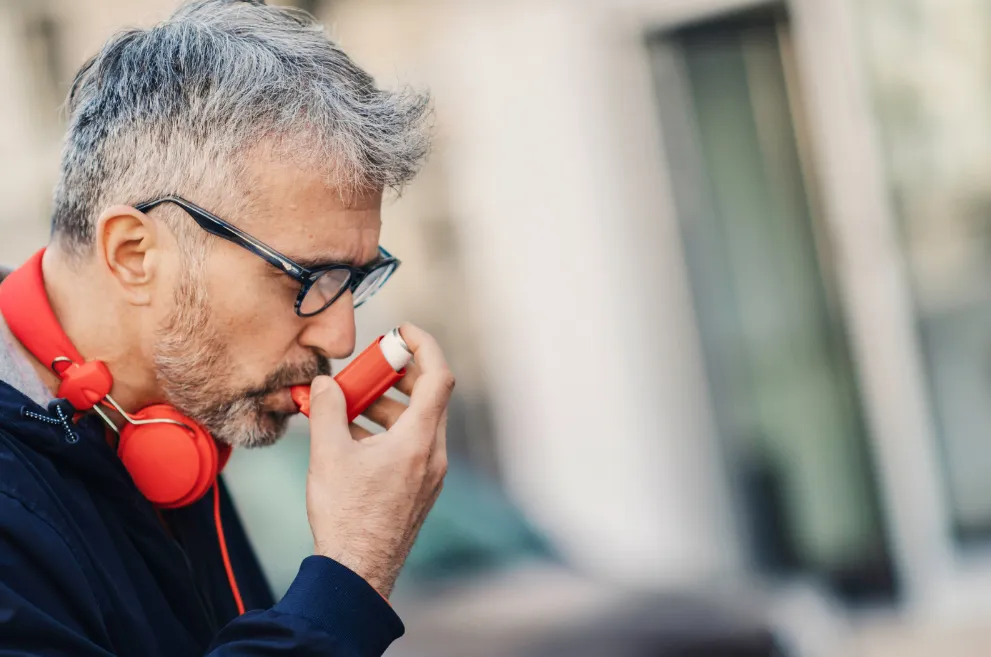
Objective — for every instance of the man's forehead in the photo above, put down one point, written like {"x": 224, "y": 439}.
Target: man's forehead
{"x": 313, "y": 239}
{"x": 296, "y": 208}
{"x": 274, "y": 186}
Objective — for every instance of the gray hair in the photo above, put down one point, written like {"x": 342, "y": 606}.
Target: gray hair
{"x": 174, "y": 110}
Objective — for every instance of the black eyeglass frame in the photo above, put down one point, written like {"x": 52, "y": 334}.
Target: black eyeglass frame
{"x": 306, "y": 277}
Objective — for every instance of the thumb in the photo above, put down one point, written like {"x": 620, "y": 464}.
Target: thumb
{"x": 328, "y": 413}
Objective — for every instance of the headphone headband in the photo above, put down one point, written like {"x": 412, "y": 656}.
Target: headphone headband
{"x": 25, "y": 306}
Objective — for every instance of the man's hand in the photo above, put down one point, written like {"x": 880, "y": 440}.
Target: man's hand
{"x": 368, "y": 494}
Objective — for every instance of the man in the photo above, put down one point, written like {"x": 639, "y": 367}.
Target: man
{"x": 248, "y": 140}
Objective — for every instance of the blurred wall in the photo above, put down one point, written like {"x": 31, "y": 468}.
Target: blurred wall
{"x": 547, "y": 149}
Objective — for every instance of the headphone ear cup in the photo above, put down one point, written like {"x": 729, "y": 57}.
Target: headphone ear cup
{"x": 173, "y": 462}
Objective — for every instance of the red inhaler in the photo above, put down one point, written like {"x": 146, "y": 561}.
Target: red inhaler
{"x": 367, "y": 377}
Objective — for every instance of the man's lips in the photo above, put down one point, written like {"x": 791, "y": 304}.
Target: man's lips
{"x": 280, "y": 401}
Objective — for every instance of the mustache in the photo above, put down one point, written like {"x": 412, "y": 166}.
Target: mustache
{"x": 291, "y": 375}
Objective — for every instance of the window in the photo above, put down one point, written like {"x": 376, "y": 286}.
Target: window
{"x": 781, "y": 378}
{"x": 929, "y": 66}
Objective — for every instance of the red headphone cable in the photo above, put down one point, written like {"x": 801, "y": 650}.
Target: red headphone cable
{"x": 223, "y": 550}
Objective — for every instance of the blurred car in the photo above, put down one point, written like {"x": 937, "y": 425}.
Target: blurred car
{"x": 482, "y": 582}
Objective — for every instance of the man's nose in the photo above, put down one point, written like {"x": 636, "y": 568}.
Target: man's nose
{"x": 331, "y": 333}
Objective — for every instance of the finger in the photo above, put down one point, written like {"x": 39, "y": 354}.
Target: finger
{"x": 328, "y": 414}
{"x": 359, "y": 432}
{"x": 426, "y": 352}
{"x": 429, "y": 400}
{"x": 405, "y": 384}
{"x": 384, "y": 412}
{"x": 435, "y": 383}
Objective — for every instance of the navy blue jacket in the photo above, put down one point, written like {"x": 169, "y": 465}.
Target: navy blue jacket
{"x": 87, "y": 566}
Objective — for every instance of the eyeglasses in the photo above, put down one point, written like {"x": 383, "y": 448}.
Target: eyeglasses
{"x": 319, "y": 287}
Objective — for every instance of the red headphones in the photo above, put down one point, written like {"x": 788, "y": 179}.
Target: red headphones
{"x": 172, "y": 459}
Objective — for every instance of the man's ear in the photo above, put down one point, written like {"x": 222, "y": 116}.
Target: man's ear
{"x": 129, "y": 247}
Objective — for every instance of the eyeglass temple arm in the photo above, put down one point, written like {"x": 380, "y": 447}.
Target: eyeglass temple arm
{"x": 217, "y": 226}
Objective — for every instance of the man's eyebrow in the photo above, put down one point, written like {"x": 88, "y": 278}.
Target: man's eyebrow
{"x": 320, "y": 262}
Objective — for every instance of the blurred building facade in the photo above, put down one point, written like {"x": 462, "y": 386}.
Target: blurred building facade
{"x": 711, "y": 273}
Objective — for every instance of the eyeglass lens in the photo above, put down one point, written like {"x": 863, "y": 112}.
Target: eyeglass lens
{"x": 331, "y": 282}
{"x": 372, "y": 283}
